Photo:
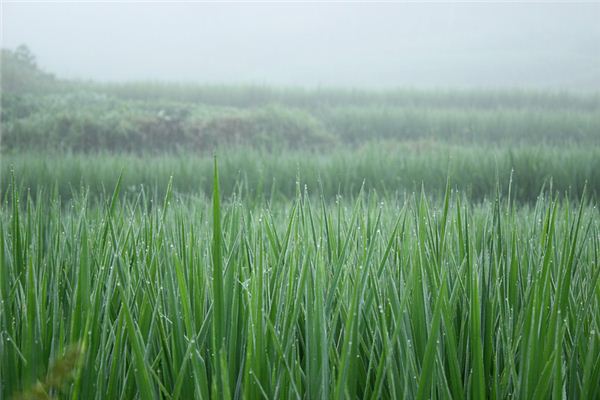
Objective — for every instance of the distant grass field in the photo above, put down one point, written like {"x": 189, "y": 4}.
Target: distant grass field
{"x": 371, "y": 298}
{"x": 104, "y": 119}
{"x": 390, "y": 168}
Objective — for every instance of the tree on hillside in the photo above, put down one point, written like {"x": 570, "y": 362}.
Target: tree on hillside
{"x": 25, "y": 56}
{"x": 19, "y": 72}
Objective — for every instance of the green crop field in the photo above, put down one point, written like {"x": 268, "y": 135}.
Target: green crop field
{"x": 375, "y": 298}
{"x": 342, "y": 244}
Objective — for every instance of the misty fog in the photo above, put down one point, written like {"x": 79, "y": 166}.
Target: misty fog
{"x": 359, "y": 45}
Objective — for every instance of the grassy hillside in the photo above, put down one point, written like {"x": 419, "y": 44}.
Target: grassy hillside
{"x": 40, "y": 112}
{"x": 91, "y": 121}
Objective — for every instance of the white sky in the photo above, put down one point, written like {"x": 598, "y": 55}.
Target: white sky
{"x": 363, "y": 45}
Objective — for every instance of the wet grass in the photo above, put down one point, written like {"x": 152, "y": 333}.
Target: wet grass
{"x": 311, "y": 298}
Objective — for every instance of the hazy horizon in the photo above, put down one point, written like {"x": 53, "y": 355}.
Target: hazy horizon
{"x": 382, "y": 45}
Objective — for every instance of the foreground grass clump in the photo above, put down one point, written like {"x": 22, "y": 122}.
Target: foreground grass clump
{"x": 307, "y": 299}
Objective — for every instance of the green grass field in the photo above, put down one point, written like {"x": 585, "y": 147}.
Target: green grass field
{"x": 373, "y": 245}
{"x": 374, "y": 298}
